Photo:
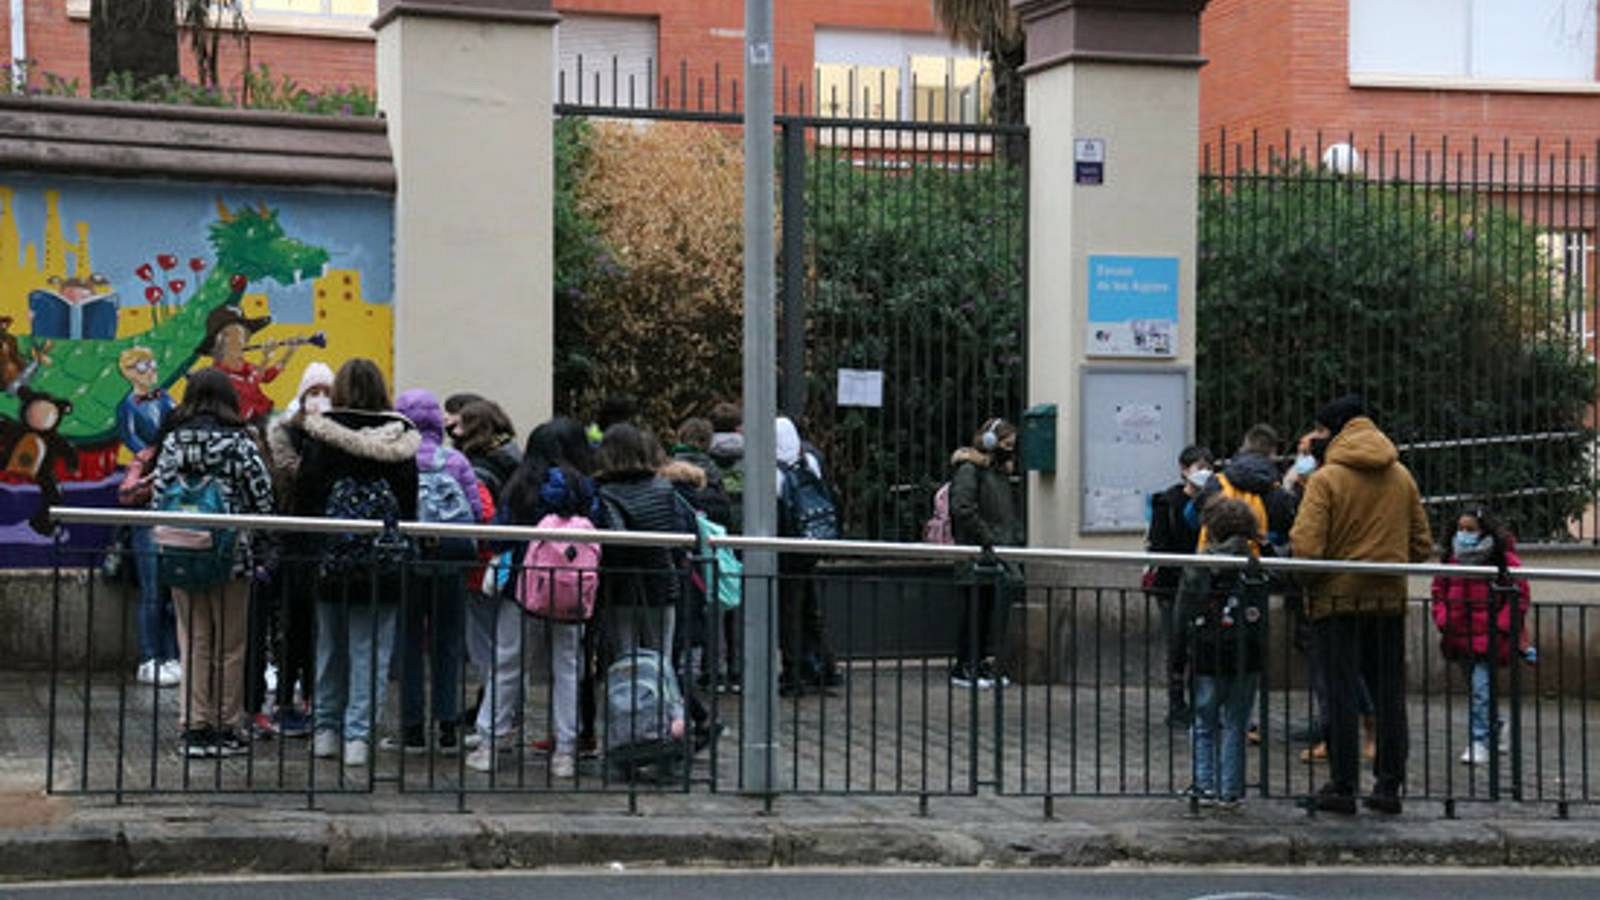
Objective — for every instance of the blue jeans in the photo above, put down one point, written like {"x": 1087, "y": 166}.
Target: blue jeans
{"x": 1222, "y": 707}
{"x": 355, "y": 642}
{"x": 1478, "y": 673}
{"x": 158, "y": 626}
{"x": 435, "y": 622}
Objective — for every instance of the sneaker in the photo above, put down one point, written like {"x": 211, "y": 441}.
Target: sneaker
{"x": 1205, "y": 799}
{"x": 326, "y": 745}
{"x": 356, "y": 753}
{"x": 230, "y": 743}
{"x": 1383, "y": 800}
{"x": 987, "y": 671}
{"x": 262, "y": 727}
{"x": 562, "y": 765}
{"x": 1330, "y": 800}
{"x": 1230, "y": 805}
{"x": 1475, "y": 754}
{"x": 291, "y": 723}
{"x": 472, "y": 741}
{"x": 588, "y": 747}
{"x": 481, "y": 759}
{"x": 965, "y": 677}
{"x": 413, "y": 740}
{"x": 197, "y": 743}
{"x": 149, "y": 672}
{"x": 170, "y": 673}
{"x": 449, "y": 739}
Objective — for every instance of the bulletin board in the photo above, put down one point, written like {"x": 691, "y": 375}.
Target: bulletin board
{"x": 1132, "y": 422}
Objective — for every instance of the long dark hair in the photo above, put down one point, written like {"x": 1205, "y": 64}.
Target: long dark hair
{"x": 557, "y": 444}
{"x": 209, "y": 399}
{"x": 625, "y": 452}
{"x": 359, "y": 385}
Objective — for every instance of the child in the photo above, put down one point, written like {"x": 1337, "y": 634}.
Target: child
{"x": 1462, "y": 611}
{"x": 1222, "y": 616}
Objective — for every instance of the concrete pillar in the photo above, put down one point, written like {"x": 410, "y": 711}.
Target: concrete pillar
{"x": 1125, "y": 72}
{"x": 467, "y": 89}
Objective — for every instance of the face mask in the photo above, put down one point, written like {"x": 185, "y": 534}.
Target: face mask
{"x": 317, "y": 405}
{"x": 1305, "y": 464}
{"x": 1468, "y": 545}
{"x": 1200, "y": 478}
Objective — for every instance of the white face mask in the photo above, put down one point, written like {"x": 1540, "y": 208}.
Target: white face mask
{"x": 1305, "y": 464}
{"x": 1200, "y": 478}
{"x": 317, "y": 405}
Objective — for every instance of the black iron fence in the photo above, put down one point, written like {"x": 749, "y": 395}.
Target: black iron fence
{"x": 1453, "y": 282}
{"x": 905, "y": 670}
{"x": 903, "y": 259}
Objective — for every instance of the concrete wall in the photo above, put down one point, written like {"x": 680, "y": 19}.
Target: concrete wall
{"x": 93, "y": 622}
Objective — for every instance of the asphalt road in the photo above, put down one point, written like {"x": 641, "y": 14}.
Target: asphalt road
{"x": 1154, "y": 884}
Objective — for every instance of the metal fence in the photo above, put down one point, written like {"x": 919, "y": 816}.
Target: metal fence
{"x": 884, "y": 687}
{"x": 903, "y": 263}
{"x": 1453, "y": 282}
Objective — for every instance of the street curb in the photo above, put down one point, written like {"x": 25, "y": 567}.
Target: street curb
{"x": 312, "y": 843}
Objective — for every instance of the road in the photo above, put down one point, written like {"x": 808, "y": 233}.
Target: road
{"x": 1140, "y": 884}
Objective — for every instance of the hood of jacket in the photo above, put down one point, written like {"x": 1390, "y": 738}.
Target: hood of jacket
{"x": 384, "y": 437}
{"x": 727, "y": 445}
{"x": 787, "y": 440}
{"x": 423, "y": 409}
{"x": 679, "y": 471}
{"x": 1252, "y": 473}
{"x": 1360, "y": 445}
{"x": 970, "y": 455}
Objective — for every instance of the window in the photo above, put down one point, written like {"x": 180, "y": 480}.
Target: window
{"x": 886, "y": 74}
{"x": 366, "y": 9}
{"x": 606, "y": 60}
{"x": 1494, "y": 40}
{"x": 1571, "y": 255}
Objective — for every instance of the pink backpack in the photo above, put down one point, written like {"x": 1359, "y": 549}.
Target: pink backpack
{"x": 937, "y": 529}
{"x": 559, "y": 579}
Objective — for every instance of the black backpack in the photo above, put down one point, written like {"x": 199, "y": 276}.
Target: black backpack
{"x": 346, "y": 555}
{"x": 1230, "y": 630}
{"x": 805, "y": 505}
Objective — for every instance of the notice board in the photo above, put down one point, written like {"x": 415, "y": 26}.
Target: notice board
{"x": 1133, "y": 422}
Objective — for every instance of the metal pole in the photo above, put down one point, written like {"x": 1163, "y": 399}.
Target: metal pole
{"x": 758, "y": 738}
{"x": 794, "y": 268}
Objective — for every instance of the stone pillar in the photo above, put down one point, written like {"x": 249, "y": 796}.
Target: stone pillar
{"x": 467, "y": 89}
{"x": 1125, "y": 72}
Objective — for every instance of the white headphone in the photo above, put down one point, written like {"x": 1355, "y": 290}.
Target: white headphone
{"x": 990, "y": 439}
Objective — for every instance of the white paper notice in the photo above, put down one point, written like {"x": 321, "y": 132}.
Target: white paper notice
{"x": 861, "y": 387}
{"x": 1114, "y": 508}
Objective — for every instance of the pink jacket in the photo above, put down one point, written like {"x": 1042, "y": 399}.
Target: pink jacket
{"x": 1461, "y": 612}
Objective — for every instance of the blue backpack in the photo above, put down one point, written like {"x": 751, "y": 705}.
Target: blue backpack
{"x": 806, "y": 508}
{"x": 721, "y": 575}
{"x": 194, "y": 558}
{"x": 440, "y": 498}
{"x": 346, "y": 555}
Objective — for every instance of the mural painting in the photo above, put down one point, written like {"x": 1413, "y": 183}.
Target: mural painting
{"x": 101, "y": 319}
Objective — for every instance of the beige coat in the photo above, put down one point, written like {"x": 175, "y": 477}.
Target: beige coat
{"x": 1361, "y": 505}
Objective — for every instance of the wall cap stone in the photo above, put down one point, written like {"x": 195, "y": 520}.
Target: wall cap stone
{"x": 506, "y": 12}
{"x": 1133, "y": 32}
{"x": 101, "y": 138}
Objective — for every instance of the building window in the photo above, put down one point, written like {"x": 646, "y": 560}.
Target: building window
{"x": 885, "y": 74}
{"x": 1504, "y": 40}
{"x": 607, "y": 60}
{"x": 1572, "y": 269}
{"x": 356, "y": 9}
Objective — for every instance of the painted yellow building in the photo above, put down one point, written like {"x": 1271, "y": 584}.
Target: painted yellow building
{"x": 354, "y": 327}
{"x": 21, "y": 269}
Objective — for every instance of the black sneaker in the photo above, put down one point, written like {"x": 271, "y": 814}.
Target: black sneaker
{"x": 197, "y": 743}
{"x": 230, "y": 743}
{"x": 988, "y": 672}
{"x": 968, "y": 677}
{"x": 1385, "y": 799}
{"x": 1331, "y": 800}
{"x": 449, "y": 740}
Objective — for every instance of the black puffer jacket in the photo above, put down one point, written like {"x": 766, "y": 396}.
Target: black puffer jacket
{"x": 641, "y": 576}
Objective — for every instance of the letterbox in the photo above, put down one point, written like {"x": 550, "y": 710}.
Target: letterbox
{"x": 1039, "y": 438}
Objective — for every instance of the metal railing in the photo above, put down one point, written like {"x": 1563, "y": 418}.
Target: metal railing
{"x": 864, "y": 703}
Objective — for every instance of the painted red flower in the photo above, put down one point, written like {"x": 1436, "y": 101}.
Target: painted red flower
{"x": 153, "y": 295}
{"x": 145, "y": 272}
{"x": 238, "y": 283}
{"x": 167, "y": 261}
{"x": 196, "y": 264}
{"x": 177, "y": 285}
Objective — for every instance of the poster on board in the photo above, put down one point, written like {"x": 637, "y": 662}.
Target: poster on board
{"x": 1133, "y": 306}
{"x": 1133, "y": 423}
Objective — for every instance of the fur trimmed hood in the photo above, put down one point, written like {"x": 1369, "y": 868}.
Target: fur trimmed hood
{"x": 383, "y": 437}
{"x": 680, "y": 471}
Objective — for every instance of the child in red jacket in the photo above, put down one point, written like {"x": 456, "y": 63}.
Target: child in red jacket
{"x": 1464, "y": 607}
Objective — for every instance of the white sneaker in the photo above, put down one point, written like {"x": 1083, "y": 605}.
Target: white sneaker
{"x": 562, "y": 765}
{"x": 481, "y": 759}
{"x": 148, "y": 672}
{"x": 356, "y": 753}
{"x": 326, "y": 745}
{"x": 171, "y": 673}
{"x": 472, "y": 741}
{"x": 1476, "y": 754}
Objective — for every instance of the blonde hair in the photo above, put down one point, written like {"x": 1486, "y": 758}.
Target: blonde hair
{"x": 133, "y": 355}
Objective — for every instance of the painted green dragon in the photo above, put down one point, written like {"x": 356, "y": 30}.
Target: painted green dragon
{"x": 248, "y": 242}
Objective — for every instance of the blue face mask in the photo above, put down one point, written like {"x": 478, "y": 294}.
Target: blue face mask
{"x": 1304, "y": 465}
{"x": 1466, "y": 542}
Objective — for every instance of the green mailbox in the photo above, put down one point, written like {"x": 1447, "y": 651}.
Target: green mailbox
{"x": 1039, "y": 438}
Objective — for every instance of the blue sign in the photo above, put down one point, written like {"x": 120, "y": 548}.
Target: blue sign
{"x": 1133, "y": 306}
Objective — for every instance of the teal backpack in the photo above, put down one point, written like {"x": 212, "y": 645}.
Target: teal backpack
{"x": 722, "y": 567}
{"x": 194, "y": 558}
